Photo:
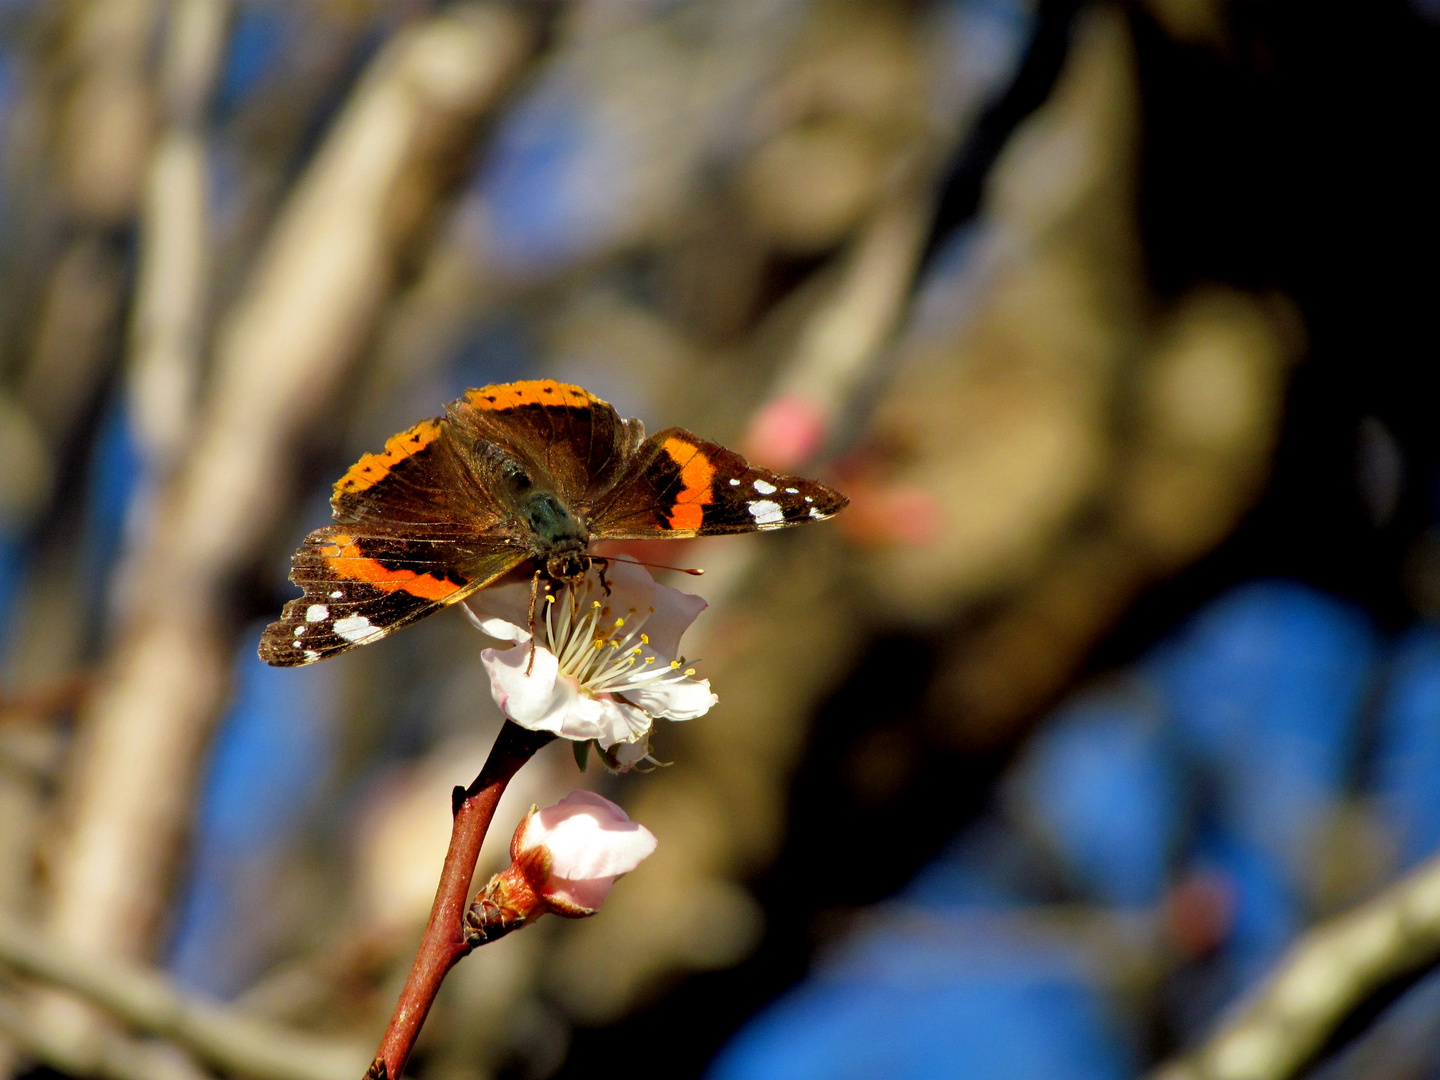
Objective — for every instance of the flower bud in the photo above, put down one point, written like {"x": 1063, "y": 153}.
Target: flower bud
{"x": 564, "y": 859}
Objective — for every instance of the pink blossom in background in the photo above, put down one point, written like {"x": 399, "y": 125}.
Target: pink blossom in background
{"x": 786, "y": 432}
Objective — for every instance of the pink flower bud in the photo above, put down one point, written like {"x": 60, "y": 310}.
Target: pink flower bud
{"x": 590, "y": 843}
{"x": 564, "y": 858}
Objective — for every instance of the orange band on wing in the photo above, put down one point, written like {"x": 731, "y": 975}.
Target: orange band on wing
{"x": 343, "y": 556}
{"x": 504, "y": 396}
{"x": 372, "y": 468}
{"x": 697, "y": 476}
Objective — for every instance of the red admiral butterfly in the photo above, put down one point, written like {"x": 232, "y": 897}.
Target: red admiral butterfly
{"x": 513, "y": 472}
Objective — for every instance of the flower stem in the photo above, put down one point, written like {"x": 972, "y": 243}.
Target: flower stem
{"x": 444, "y": 942}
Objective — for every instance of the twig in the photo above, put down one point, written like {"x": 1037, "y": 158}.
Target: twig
{"x": 145, "y": 1000}
{"x": 1320, "y": 981}
{"x": 444, "y": 942}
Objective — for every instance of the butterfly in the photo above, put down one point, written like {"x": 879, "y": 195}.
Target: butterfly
{"x": 528, "y": 471}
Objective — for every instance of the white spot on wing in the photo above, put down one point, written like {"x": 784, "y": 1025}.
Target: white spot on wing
{"x": 766, "y": 512}
{"x": 311, "y": 656}
{"x": 764, "y": 488}
{"x": 792, "y": 491}
{"x": 355, "y": 628}
{"x": 317, "y": 613}
{"x": 734, "y": 482}
{"x": 816, "y": 513}
{"x": 299, "y": 630}
{"x": 336, "y": 595}
{"x": 809, "y": 499}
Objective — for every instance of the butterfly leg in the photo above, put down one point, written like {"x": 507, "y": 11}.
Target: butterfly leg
{"x": 534, "y": 608}
{"x": 604, "y": 564}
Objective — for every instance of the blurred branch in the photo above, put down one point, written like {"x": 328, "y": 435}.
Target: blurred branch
{"x": 167, "y": 326}
{"x": 842, "y": 340}
{"x": 144, "y": 1000}
{"x": 281, "y": 356}
{"x": 104, "y": 1054}
{"x": 44, "y": 701}
{"x": 833, "y": 352}
{"x": 1322, "y": 979}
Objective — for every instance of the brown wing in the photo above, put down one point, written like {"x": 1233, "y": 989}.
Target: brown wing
{"x": 680, "y": 485}
{"x": 422, "y": 483}
{"x": 419, "y": 529}
{"x": 361, "y": 586}
{"x": 566, "y": 438}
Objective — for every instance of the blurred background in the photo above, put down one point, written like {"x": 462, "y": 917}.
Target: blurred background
{"x": 1116, "y": 322}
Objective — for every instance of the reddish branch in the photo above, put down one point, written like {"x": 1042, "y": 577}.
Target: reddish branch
{"x": 444, "y": 943}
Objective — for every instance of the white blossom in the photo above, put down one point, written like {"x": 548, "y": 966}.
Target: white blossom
{"x": 605, "y": 666}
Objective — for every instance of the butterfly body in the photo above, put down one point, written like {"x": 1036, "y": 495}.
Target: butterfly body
{"x": 529, "y": 471}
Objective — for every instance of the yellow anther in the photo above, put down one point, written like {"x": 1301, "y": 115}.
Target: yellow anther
{"x": 619, "y": 623}
{"x": 594, "y": 603}
{"x": 549, "y": 599}
{"x": 674, "y": 663}
{"x": 689, "y": 671}
{"x": 645, "y": 639}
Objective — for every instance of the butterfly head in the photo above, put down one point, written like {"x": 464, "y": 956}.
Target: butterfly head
{"x": 568, "y": 567}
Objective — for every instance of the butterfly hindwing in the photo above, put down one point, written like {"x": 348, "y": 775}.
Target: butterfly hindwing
{"x": 359, "y": 587}
{"x": 681, "y": 485}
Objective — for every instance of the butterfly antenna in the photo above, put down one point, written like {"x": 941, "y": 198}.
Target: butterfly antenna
{"x": 694, "y": 571}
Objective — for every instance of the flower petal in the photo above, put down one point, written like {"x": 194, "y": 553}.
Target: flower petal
{"x": 509, "y": 604}
{"x": 625, "y": 723}
{"x": 630, "y": 586}
{"x": 674, "y": 699}
{"x": 537, "y": 699}
{"x": 580, "y": 897}
{"x": 581, "y": 797}
{"x": 588, "y": 841}
{"x": 674, "y": 612}
{"x": 585, "y": 717}
{"x": 499, "y": 629}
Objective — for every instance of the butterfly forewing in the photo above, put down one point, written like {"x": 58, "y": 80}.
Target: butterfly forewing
{"x": 570, "y": 441}
{"x": 423, "y": 483}
{"x": 682, "y": 485}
